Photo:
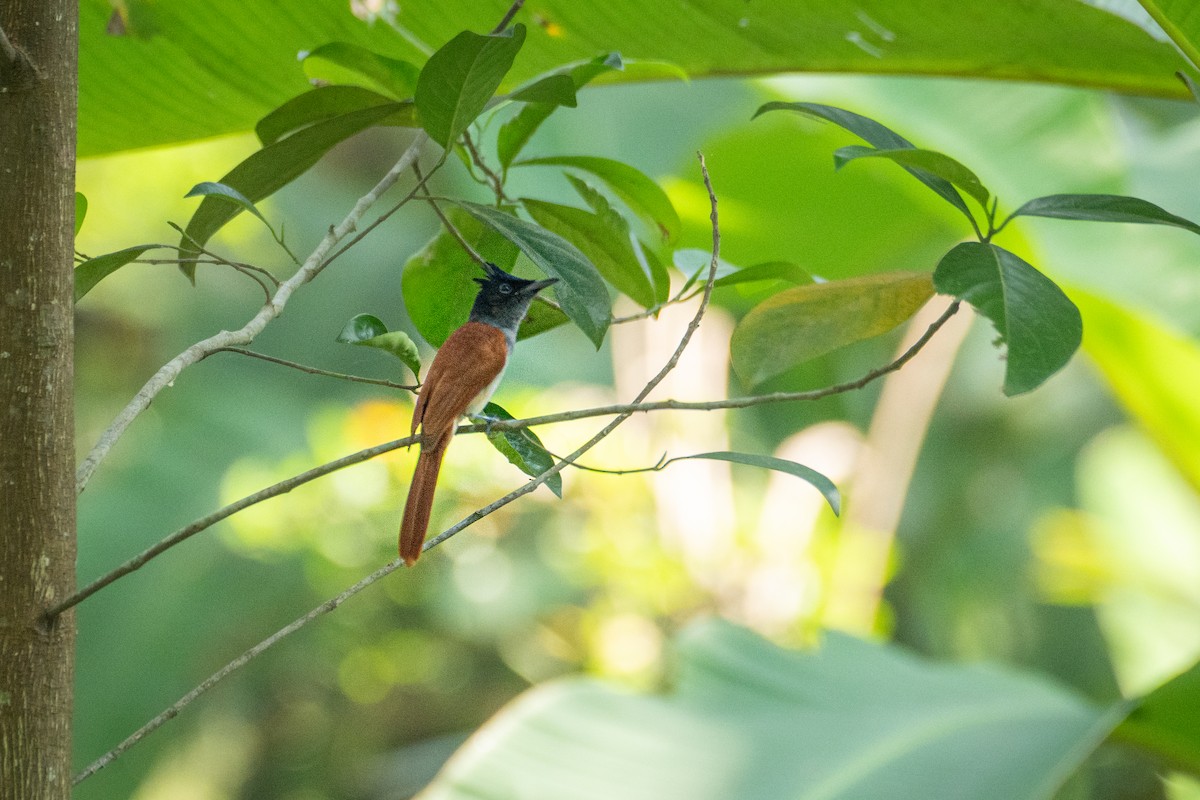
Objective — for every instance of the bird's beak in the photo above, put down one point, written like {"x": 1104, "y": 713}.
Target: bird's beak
{"x": 537, "y": 286}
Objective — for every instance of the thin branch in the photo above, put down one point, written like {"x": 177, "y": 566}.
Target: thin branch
{"x": 334, "y": 602}
{"x": 494, "y": 181}
{"x": 167, "y": 374}
{"x": 449, "y": 226}
{"x": 317, "y": 371}
{"x": 508, "y": 15}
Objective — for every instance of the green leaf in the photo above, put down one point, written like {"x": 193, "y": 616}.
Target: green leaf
{"x": 1040, "y": 324}
{"x": 523, "y": 449}
{"x": 325, "y": 103}
{"x": 517, "y": 132}
{"x": 369, "y": 331}
{"x": 659, "y": 275}
{"x": 768, "y": 271}
{"x": 604, "y": 239}
{"x": 819, "y": 481}
{"x": 94, "y": 270}
{"x": 580, "y": 290}
{"x": 348, "y": 63}
{"x": 1164, "y": 722}
{"x": 1102, "y": 208}
{"x": 930, "y": 161}
{"x": 554, "y": 90}
{"x": 272, "y": 168}
{"x": 542, "y": 317}
{"x": 1179, "y": 20}
{"x": 645, "y": 197}
{"x": 800, "y": 324}
{"x": 747, "y": 719}
{"x": 220, "y": 190}
{"x": 459, "y": 79}
{"x": 81, "y": 206}
{"x": 437, "y": 280}
{"x": 878, "y": 136}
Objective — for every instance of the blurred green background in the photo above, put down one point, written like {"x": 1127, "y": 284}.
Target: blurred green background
{"x": 1058, "y": 531}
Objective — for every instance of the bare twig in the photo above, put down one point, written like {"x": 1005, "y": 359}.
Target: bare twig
{"x": 494, "y": 181}
{"x": 246, "y": 334}
{"x": 446, "y": 223}
{"x": 317, "y": 371}
{"x": 508, "y": 16}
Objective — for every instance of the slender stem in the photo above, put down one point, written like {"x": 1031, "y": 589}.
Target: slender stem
{"x": 449, "y": 226}
{"x": 494, "y": 181}
{"x": 508, "y": 15}
{"x": 317, "y": 371}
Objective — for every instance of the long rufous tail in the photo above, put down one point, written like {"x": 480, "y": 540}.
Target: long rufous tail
{"x": 420, "y": 501}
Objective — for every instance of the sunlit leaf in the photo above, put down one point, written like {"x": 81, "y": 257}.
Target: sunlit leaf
{"x": 822, "y": 484}
{"x": 645, "y": 197}
{"x": 1179, "y": 20}
{"x": 523, "y": 449}
{"x": 369, "y": 331}
{"x": 930, "y": 161}
{"x": 877, "y": 135}
{"x": 81, "y": 207}
{"x": 517, "y": 132}
{"x": 1102, "y": 208}
{"x": 1164, "y": 722}
{"x": 769, "y": 271}
{"x": 604, "y": 239}
{"x": 94, "y": 270}
{"x": 348, "y": 63}
{"x": 746, "y": 719}
{"x": 273, "y": 167}
{"x": 325, "y": 103}
{"x": 580, "y": 291}
{"x": 1040, "y": 324}
{"x": 809, "y": 321}
{"x": 458, "y": 80}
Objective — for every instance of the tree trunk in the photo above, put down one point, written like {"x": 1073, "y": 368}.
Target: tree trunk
{"x": 38, "y": 44}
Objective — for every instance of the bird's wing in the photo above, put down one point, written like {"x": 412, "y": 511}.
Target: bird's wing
{"x": 465, "y": 366}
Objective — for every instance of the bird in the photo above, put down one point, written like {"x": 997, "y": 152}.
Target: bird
{"x": 460, "y": 381}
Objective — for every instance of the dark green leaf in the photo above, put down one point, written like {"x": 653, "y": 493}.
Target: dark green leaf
{"x": 645, "y": 197}
{"x": 819, "y": 481}
{"x": 346, "y": 63}
{"x": 369, "y": 331}
{"x": 542, "y": 317}
{"x": 458, "y": 80}
{"x": 220, "y": 190}
{"x": 659, "y": 275}
{"x": 604, "y": 239}
{"x": 875, "y": 134}
{"x": 769, "y": 271}
{"x": 555, "y": 90}
{"x": 516, "y": 133}
{"x": 931, "y": 161}
{"x": 273, "y": 167}
{"x": 437, "y": 281}
{"x": 92, "y": 271}
{"x": 80, "y": 211}
{"x": 325, "y": 103}
{"x": 809, "y": 321}
{"x": 580, "y": 290}
{"x": 523, "y": 449}
{"x": 1040, "y": 324}
{"x": 1102, "y": 208}
{"x": 744, "y": 719}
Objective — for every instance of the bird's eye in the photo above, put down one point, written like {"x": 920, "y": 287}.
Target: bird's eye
{"x": 505, "y": 289}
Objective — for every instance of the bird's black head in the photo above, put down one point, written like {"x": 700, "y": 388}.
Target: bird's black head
{"x": 504, "y": 299}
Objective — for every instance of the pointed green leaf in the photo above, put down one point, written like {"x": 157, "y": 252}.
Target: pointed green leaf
{"x": 459, "y": 79}
{"x": 822, "y": 484}
{"x": 325, "y": 103}
{"x": 1040, "y": 324}
{"x": 353, "y": 64}
{"x": 931, "y": 161}
{"x": 1102, "y": 208}
{"x": 94, "y": 270}
{"x": 272, "y": 168}
{"x": 80, "y": 211}
{"x": 523, "y": 449}
{"x": 555, "y": 90}
{"x": 809, "y": 321}
{"x": 645, "y": 197}
{"x": 769, "y": 271}
{"x": 437, "y": 281}
{"x": 369, "y": 331}
{"x": 517, "y": 132}
{"x": 220, "y": 190}
{"x": 604, "y": 239}
{"x": 580, "y": 290}
{"x": 875, "y": 134}
{"x": 659, "y": 275}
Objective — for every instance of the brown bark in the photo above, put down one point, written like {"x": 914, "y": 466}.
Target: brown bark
{"x": 38, "y": 47}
